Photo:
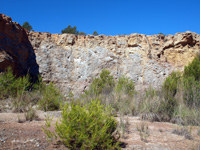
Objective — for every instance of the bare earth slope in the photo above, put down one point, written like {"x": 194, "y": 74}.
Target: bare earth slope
{"x": 29, "y": 135}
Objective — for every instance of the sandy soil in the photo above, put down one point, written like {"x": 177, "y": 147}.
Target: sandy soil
{"x": 29, "y": 135}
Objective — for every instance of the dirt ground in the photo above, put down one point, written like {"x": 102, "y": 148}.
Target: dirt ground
{"x": 156, "y": 136}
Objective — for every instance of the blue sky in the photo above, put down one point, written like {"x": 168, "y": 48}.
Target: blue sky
{"x": 109, "y": 17}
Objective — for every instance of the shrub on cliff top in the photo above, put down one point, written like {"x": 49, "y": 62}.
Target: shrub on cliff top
{"x": 27, "y": 26}
{"x": 72, "y": 30}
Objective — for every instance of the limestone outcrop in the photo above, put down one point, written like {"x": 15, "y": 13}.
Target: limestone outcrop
{"x": 15, "y": 48}
{"x": 72, "y": 61}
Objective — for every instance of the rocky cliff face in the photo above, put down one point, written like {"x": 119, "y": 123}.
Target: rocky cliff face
{"x": 72, "y": 61}
{"x": 15, "y": 48}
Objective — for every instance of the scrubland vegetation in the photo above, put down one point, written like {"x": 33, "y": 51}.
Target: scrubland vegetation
{"x": 88, "y": 122}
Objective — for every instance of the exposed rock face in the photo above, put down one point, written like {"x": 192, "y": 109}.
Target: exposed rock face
{"x": 72, "y": 61}
{"x": 15, "y": 48}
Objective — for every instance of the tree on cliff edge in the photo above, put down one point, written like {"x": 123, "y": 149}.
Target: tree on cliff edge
{"x": 95, "y": 33}
{"x": 71, "y": 30}
{"x": 27, "y": 26}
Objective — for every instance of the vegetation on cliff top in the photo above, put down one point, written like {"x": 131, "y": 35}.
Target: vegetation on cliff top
{"x": 27, "y": 26}
{"x": 73, "y": 30}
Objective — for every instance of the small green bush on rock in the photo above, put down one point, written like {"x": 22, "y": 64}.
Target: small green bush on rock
{"x": 91, "y": 126}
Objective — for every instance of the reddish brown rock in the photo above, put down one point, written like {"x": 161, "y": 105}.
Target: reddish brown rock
{"x": 15, "y": 48}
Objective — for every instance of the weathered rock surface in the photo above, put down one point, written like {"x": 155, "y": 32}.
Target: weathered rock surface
{"x": 72, "y": 61}
{"x": 15, "y": 48}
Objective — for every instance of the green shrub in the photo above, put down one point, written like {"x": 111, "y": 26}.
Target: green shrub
{"x": 169, "y": 90}
{"x": 6, "y": 83}
{"x": 154, "y": 106}
{"x": 167, "y": 107}
{"x": 150, "y": 104}
{"x": 27, "y": 26}
{"x": 23, "y": 92}
{"x": 186, "y": 116}
{"x": 104, "y": 84}
{"x": 150, "y": 92}
{"x": 30, "y": 113}
{"x": 170, "y": 84}
{"x": 11, "y": 86}
{"x": 191, "y": 83}
{"x": 91, "y": 126}
{"x": 191, "y": 92}
{"x": 51, "y": 98}
{"x": 20, "y": 102}
{"x": 119, "y": 94}
{"x": 22, "y": 84}
{"x": 193, "y": 69}
{"x": 126, "y": 85}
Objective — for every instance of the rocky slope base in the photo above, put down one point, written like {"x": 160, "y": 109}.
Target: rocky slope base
{"x": 72, "y": 61}
{"x": 29, "y": 135}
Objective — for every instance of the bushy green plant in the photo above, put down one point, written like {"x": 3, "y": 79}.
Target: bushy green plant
{"x": 51, "y": 98}
{"x": 71, "y": 30}
{"x": 170, "y": 84}
{"x": 91, "y": 126}
{"x": 150, "y": 104}
{"x": 186, "y": 115}
{"x": 191, "y": 92}
{"x": 12, "y": 86}
{"x": 30, "y": 113}
{"x": 104, "y": 84}
{"x": 95, "y": 33}
{"x": 193, "y": 69}
{"x": 27, "y": 26}
{"x": 119, "y": 94}
{"x": 169, "y": 89}
{"x": 154, "y": 106}
{"x": 191, "y": 83}
{"x": 6, "y": 83}
{"x": 126, "y": 85}
{"x": 20, "y": 102}
{"x": 22, "y": 84}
